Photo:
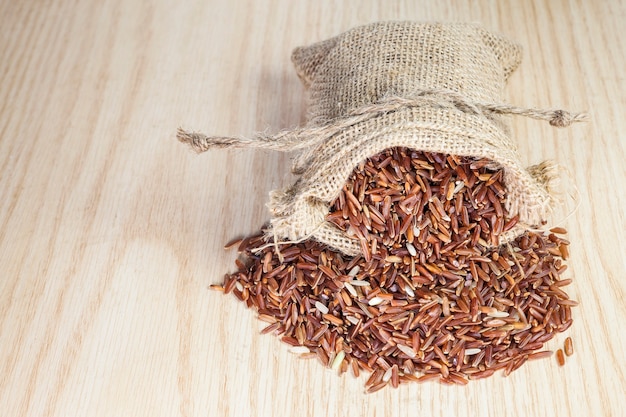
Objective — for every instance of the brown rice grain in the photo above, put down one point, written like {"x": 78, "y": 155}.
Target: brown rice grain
{"x": 569, "y": 346}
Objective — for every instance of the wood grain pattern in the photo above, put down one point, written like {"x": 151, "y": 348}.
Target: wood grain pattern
{"x": 111, "y": 232}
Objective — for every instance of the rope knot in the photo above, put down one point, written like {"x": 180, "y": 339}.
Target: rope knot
{"x": 561, "y": 118}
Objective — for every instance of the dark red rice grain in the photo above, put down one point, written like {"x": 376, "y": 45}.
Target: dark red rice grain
{"x": 434, "y": 294}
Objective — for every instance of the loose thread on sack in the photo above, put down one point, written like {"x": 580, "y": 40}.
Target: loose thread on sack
{"x": 519, "y": 267}
{"x": 574, "y": 194}
{"x": 276, "y": 243}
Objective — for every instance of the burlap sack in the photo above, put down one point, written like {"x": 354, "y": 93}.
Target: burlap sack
{"x": 433, "y": 87}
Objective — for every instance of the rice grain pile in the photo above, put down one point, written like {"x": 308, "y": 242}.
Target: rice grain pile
{"x": 433, "y": 296}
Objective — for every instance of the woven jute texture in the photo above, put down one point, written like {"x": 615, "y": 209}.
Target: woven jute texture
{"x": 433, "y": 87}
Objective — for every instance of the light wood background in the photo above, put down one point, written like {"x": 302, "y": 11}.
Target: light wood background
{"x": 111, "y": 231}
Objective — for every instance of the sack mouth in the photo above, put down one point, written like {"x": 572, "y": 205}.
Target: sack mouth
{"x": 327, "y": 166}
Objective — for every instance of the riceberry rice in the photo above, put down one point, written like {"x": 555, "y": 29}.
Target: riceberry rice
{"x": 434, "y": 295}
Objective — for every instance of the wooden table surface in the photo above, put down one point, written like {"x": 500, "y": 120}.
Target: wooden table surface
{"x": 111, "y": 231}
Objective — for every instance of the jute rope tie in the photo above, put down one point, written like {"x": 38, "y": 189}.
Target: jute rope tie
{"x": 308, "y": 137}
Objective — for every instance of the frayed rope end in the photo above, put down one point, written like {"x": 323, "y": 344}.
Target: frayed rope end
{"x": 197, "y": 141}
{"x": 561, "y": 118}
